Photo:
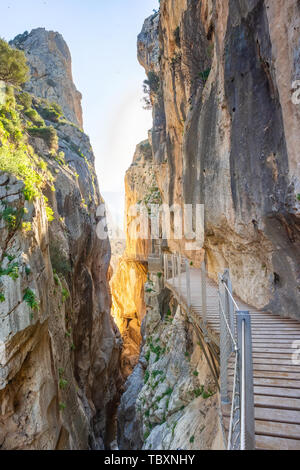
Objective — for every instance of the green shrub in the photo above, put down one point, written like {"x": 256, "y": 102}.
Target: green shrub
{"x": 65, "y": 294}
{"x": 204, "y": 75}
{"x": 9, "y": 215}
{"x": 2, "y": 297}
{"x": 12, "y": 271}
{"x": 62, "y": 406}
{"x": 25, "y": 99}
{"x": 51, "y": 112}
{"x": 13, "y": 65}
{"x": 30, "y": 299}
{"x": 155, "y": 373}
{"x": 34, "y": 117}
{"x": 48, "y": 134}
{"x": 62, "y": 383}
{"x": 18, "y": 163}
{"x": 60, "y": 262}
{"x": 146, "y": 376}
{"x": 198, "y": 392}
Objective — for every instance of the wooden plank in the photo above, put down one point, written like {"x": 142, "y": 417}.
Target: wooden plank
{"x": 283, "y": 344}
{"x": 286, "y": 357}
{"x": 267, "y": 401}
{"x": 275, "y": 382}
{"x": 272, "y": 368}
{"x": 277, "y": 416}
{"x": 280, "y": 375}
{"x": 285, "y": 430}
{"x": 276, "y": 443}
{"x": 269, "y": 361}
{"x": 272, "y": 429}
{"x": 272, "y": 340}
{"x": 276, "y": 391}
{"x": 257, "y": 349}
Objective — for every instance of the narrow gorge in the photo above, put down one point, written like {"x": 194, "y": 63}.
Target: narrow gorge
{"x": 96, "y": 352}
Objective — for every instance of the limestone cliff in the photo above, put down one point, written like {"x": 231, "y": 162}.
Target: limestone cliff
{"x": 225, "y": 134}
{"x": 220, "y": 78}
{"x": 59, "y": 348}
{"x": 50, "y": 63}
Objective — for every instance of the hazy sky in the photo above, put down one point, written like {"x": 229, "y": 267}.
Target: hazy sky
{"x": 101, "y": 35}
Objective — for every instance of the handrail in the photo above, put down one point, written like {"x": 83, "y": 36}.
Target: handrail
{"x": 242, "y": 401}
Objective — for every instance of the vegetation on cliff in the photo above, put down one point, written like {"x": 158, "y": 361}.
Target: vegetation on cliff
{"x": 13, "y": 65}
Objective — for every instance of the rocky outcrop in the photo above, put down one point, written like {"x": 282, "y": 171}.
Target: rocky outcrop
{"x": 59, "y": 348}
{"x": 50, "y": 64}
{"x": 225, "y": 135}
{"x": 170, "y": 400}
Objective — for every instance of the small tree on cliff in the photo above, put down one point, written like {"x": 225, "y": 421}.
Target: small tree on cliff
{"x": 13, "y": 65}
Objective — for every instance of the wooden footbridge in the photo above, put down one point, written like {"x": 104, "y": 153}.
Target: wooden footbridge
{"x": 253, "y": 355}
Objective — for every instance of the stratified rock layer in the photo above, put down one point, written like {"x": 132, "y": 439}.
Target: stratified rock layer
{"x": 226, "y": 135}
{"x": 59, "y": 364}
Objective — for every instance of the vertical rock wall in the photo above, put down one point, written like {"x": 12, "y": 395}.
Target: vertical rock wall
{"x": 225, "y": 134}
{"x": 59, "y": 348}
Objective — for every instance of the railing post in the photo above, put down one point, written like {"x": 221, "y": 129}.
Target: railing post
{"x": 173, "y": 268}
{"x": 188, "y": 284}
{"x": 204, "y": 298}
{"x": 179, "y": 275}
{"x": 246, "y": 381}
{"x": 225, "y": 344}
{"x": 228, "y": 302}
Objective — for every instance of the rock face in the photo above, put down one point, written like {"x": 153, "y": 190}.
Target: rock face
{"x": 50, "y": 63}
{"x": 128, "y": 306}
{"x": 59, "y": 348}
{"x": 170, "y": 400}
{"x": 221, "y": 77}
{"x": 225, "y": 135}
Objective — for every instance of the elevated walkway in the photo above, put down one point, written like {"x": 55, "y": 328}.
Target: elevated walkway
{"x": 276, "y": 371}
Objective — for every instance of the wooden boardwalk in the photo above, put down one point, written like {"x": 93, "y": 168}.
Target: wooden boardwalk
{"x": 276, "y": 378}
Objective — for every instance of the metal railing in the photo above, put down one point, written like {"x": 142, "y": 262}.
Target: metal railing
{"x": 236, "y": 368}
{"x": 179, "y": 266}
{"x": 236, "y": 350}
